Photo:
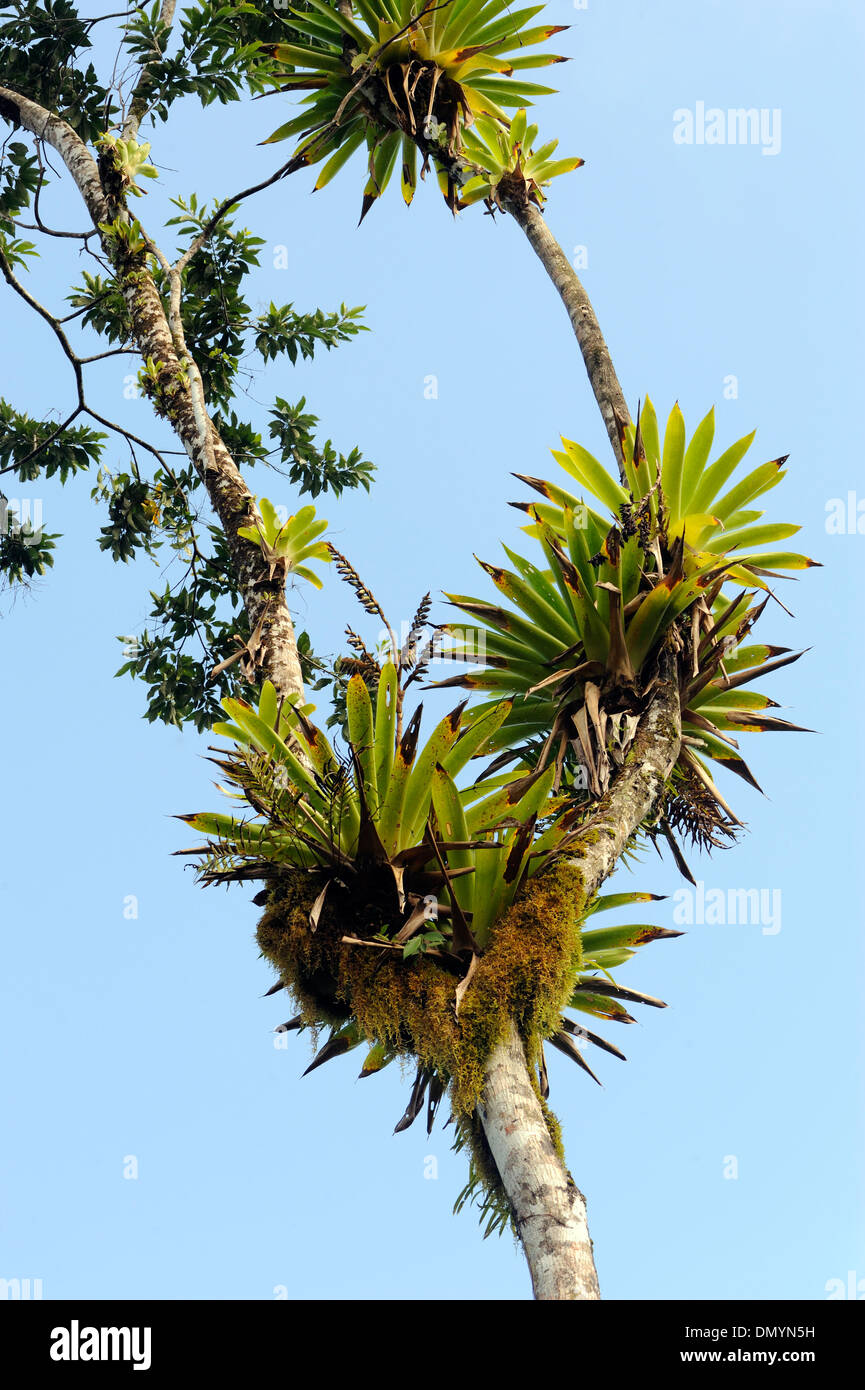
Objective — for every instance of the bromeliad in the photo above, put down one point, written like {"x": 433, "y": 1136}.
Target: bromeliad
{"x": 416, "y": 908}
{"x": 575, "y": 644}
{"x": 425, "y": 869}
{"x": 399, "y": 77}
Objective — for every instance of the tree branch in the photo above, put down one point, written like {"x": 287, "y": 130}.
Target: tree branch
{"x": 72, "y": 150}
{"x": 292, "y": 166}
{"x": 53, "y": 323}
{"x": 549, "y": 1209}
{"x": 139, "y": 103}
{"x": 40, "y": 448}
{"x": 596, "y": 355}
{"x": 40, "y": 225}
{"x": 179, "y": 396}
{"x": 636, "y": 791}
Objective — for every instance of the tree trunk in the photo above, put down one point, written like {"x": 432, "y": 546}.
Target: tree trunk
{"x": 548, "y": 1207}
{"x": 596, "y": 354}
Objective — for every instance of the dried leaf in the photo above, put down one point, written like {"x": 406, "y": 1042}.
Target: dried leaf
{"x": 464, "y": 984}
{"x": 566, "y": 1044}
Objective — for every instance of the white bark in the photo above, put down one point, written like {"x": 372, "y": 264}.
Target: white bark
{"x": 596, "y": 355}
{"x": 549, "y": 1209}
{"x": 635, "y": 793}
{"x": 72, "y": 150}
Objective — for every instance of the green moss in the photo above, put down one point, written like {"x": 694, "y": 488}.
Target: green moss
{"x": 485, "y": 1187}
{"x": 555, "y": 1129}
{"x": 482, "y": 1164}
{"x": 526, "y": 973}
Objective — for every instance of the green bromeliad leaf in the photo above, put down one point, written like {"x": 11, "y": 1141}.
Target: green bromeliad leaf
{"x": 587, "y": 617}
{"x": 395, "y": 814}
{"x": 697, "y": 502}
{"x": 398, "y": 72}
{"x": 314, "y": 811}
{"x": 504, "y": 154}
{"x": 292, "y": 542}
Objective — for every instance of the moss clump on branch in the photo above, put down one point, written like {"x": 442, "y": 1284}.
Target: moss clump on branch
{"x": 526, "y": 974}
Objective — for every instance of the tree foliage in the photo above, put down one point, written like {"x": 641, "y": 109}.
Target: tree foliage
{"x": 153, "y": 508}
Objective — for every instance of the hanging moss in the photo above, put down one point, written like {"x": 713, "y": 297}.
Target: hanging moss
{"x": 484, "y": 1187}
{"x": 526, "y": 973}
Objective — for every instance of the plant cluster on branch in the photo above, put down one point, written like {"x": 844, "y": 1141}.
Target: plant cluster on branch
{"x": 395, "y": 878}
{"x": 402, "y": 78}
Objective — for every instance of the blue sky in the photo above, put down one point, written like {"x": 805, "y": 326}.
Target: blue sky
{"x": 148, "y": 1037}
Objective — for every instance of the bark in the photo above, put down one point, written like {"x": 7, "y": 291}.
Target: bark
{"x": 158, "y": 335}
{"x": 549, "y": 1210}
{"x": 634, "y": 794}
{"x": 140, "y": 96}
{"x": 596, "y": 355}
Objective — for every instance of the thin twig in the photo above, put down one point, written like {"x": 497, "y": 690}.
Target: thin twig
{"x": 40, "y": 225}
{"x": 21, "y": 463}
